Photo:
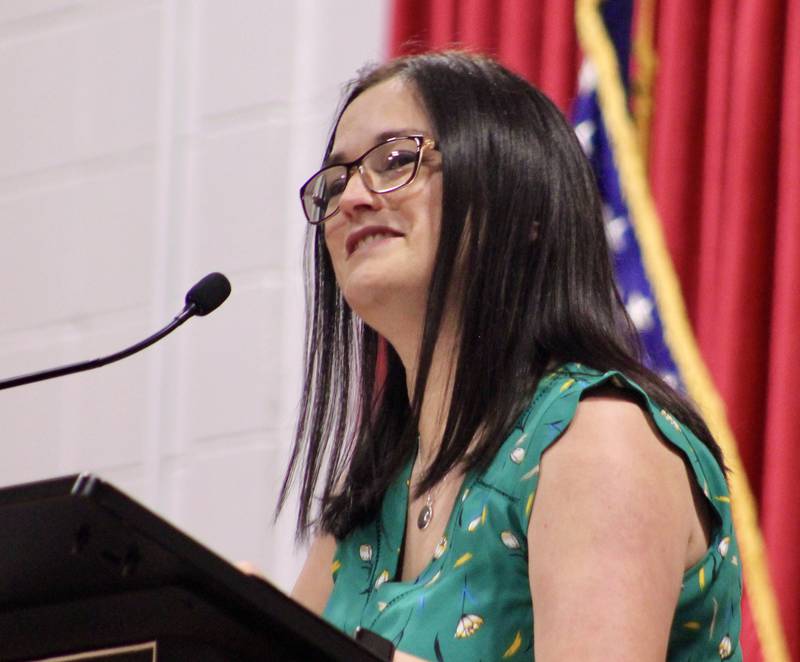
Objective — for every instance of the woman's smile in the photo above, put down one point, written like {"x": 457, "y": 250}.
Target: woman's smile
{"x": 370, "y": 236}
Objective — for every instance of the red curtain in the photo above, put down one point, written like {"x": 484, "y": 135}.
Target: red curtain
{"x": 536, "y": 39}
{"x": 724, "y": 169}
{"x": 725, "y": 172}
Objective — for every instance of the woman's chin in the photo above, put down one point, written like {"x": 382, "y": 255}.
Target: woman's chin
{"x": 378, "y": 301}
{"x": 368, "y": 296}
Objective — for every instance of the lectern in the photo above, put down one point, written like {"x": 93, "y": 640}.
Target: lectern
{"x": 87, "y": 573}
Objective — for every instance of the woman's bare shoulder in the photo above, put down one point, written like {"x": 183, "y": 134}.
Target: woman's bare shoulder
{"x": 608, "y": 534}
{"x": 610, "y": 430}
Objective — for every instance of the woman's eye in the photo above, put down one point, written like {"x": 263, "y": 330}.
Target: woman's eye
{"x": 336, "y": 187}
{"x": 398, "y": 159}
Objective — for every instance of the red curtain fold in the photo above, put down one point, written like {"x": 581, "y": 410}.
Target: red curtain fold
{"x": 725, "y": 170}
{"x": 724, "y": 167}
{"x": 535, "y": 39}
{"x": 780, "y": 496}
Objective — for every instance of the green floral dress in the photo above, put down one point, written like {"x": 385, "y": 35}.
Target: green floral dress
{"x": 473, "y": 600}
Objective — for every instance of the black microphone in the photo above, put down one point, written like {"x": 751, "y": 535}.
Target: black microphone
{"x": 204, "y": 297}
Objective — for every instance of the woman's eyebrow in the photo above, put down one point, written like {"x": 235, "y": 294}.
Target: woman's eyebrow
{"x": 338, "y": 157}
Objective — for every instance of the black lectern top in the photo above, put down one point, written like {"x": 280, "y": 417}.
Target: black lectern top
{"x": 84, "y": 566}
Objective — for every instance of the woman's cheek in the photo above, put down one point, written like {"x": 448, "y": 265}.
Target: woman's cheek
{"x": 334, "y": 234}
{"x": 334, "y": 239}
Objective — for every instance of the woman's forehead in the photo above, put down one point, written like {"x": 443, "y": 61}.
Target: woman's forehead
{"x": 390, "y": 108}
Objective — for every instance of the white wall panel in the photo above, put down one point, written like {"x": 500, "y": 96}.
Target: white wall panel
{"x": 238, "y": 212}
{"x": 78, "y": 248}
{"x": 105, "y": 412}
{"x": 32, "y": 420}
{"x": 16, "y": 10}
{"x": 79, "y": 92}
{"x": 233, "y": 387}
{"x": 144, "y": 143}
{"x": 246, "y": 50}
{"x": 220, "y": 495}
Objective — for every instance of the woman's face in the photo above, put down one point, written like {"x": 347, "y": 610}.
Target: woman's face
{"x": 383, "y": 245}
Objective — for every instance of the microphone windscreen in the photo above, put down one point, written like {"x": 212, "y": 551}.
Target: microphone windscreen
{"x": 208, "y": 293}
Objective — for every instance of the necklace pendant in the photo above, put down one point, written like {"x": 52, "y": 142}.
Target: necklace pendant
{"x": 425, "y": 516}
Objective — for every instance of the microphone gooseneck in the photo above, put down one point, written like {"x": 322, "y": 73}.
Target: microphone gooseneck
{"x": 204, "y": 297}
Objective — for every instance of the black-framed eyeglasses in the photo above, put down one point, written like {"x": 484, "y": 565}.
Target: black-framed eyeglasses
{"x": 386, "y": 167}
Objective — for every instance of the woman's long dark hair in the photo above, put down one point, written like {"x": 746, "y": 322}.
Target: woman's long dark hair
{"x": 537, "y": 287}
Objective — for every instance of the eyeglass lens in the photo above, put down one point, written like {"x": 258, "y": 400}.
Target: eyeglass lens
{"x": 384, "y": 168}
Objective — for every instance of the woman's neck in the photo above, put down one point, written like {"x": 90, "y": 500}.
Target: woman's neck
{"x": 438, "y": 390}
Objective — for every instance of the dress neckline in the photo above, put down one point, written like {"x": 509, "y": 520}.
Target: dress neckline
{"x": 402, "y": 501}
{"x": 397, "y": 501}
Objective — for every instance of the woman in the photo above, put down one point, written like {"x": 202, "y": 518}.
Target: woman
{"x": 456, "y": 218}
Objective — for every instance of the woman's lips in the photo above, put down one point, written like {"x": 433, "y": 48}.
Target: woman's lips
{"x": 368, "y": 235}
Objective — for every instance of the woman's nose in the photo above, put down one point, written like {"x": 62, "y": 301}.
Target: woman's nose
{"x": 356, "y": 195}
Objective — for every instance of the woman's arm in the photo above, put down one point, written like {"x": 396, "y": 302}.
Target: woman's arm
{"x": 608, "y": 537}
{"x": 314, "y": 583}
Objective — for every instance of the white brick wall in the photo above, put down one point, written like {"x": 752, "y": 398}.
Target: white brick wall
{"x": 144, "y": 143}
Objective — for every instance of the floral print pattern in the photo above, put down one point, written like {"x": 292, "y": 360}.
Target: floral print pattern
{"x": 473, "y": 602}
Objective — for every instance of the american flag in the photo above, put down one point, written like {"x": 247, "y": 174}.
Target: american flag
{"x": 632, "y": 281}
